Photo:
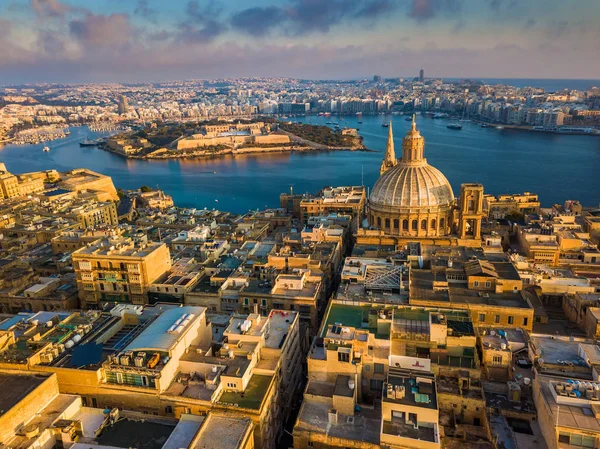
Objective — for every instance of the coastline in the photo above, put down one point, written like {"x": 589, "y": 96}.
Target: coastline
{"x": 236, "y": 152}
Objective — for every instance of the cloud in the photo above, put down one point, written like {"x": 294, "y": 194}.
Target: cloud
{"x": 49, "y": 8}
{"x": 258, "y": 21}
{"x": 100, "y": 30}
{"x": 302, "y": 17}
{"x": 202, "y": 24}
{"x": 143, "y": 9}
{"x": 499, "y": 4}
{"x": 422, "y": 10}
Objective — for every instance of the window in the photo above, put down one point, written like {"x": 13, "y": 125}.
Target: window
{"x": 511, "y": 319}
{"x": 246, "y": 301}
{"x": 481, "y": 317}
{"x": 376, "y": 385}
{"x": 396, "y": 224}
{"x": 378, "y": 368}
{"x": 433, "y": 223}
{"x": 488, "y": 284}
{"x": 119, "y": 378}
{"x": 475, "y": 283}
{"x": 405, "y": 225}
{"x": 145, "y": 381}
{"x": 441, "y": 223}
{"x": 414, "y": 225}
{"x": 387, "y": 223}
{"x": 379, "y": 222}
{"x": 497, "y": 360}
{"x": 497, "y": 319}
{"x": 424, "y": 225}
{"x": 343, "y": 356}
{"x": 263, "y": 302}
{"x": 525, "y": 321}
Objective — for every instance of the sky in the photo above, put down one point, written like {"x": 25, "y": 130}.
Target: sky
{"x": 74, "y": 41}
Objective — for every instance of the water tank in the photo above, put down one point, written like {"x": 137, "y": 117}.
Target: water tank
{"x": 76, "y": 338}
{"x": 526, "y": 380}
{"x": 503, "y": 346}
{"x": 351, "y": 384}
{"x": 215, "y": 368}
{"x": 69, "y": 344}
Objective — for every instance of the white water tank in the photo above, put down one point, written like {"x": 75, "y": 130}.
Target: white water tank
{"x": 503, "y": 346}
{"x": 69, "y": 344}
{"x": 351, "y": 384}
{"x": 76, "y": 338}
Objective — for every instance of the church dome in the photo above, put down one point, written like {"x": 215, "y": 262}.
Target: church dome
{"x": 411, "y": 198}
{"x": 409, "y": 186}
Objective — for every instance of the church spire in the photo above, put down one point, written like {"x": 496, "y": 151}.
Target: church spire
{"x": 389, "y": 159}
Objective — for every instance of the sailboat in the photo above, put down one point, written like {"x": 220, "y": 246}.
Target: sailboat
{"x": 46, "y": 148}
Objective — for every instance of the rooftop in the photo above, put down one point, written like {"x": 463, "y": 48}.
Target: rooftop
{"x": 15, "y": 387}
{"x": 221, "y": 432}
{"x": 252, "y": 397}
{"x": 158, "y": 336}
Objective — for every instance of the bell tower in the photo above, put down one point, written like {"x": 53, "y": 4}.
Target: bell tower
{"x": 389, "y": 159}
{"x": 470, "y": 211}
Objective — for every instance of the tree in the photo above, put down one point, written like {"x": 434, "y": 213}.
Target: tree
{"x": 145, "y": 189}
{"x": 515, "y": 215}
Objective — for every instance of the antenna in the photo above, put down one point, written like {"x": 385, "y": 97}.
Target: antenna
{"x": 362, "y": 176}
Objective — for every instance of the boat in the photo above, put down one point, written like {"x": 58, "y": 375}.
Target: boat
{"x": 328, "y": 123}
{"x": 46, "y": 148}
{"x": 360, "y": 123}
{"x": 485, "y": 125}
{"x": 500, "y": 127}
{"x": 408, "y": 119}
{"x": 454, "y": 126}
{"x": 88, "y": 143}
{"x": 385, "y": 125}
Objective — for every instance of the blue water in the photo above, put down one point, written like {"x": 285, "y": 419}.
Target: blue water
{"x": 557, "y": 167}
{"x": 549, "y": 85}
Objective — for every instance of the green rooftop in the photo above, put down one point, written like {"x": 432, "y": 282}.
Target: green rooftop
{"x": 351, "y": 316}
{"x": 252, "y": 398}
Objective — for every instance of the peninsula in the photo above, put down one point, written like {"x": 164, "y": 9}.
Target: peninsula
{"x": 218, "y": 138}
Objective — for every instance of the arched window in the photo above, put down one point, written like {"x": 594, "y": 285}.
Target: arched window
{"x": 387, "y": 223}
{"x": 405, "y": 225}
{"x": 424, "y": 225}
{"x": 379, "y": 222}
{"x": 433, "y": 223}
{"x": 470, "y": 205}
{"x": 396, "y": 223}
{"x": 442, "y": 224}
{"x": 414, "y": 225}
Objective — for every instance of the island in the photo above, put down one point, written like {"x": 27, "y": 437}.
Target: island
{"x": 217, "y": 138}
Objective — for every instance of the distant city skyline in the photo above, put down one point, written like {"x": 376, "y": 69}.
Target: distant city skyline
{"x": 153, "y": 40}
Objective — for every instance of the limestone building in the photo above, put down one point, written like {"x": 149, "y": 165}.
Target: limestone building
{"x": 414, "y": 200}
{"x": 118, "y": 270}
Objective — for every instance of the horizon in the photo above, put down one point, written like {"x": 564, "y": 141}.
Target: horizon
{"x": 384, "y": 77}
{"x": 73, "y": 41}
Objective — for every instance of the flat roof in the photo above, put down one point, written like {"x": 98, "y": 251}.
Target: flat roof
{"x": 16, "y": 387}
{"x": 221, "y": 432}
{"x": 314, "y": 418}
{"x": 156, "y": 336}
{"x": 184, "y": 432}
{"x": 252, "y": 397}
{"x": 144, "y": 433}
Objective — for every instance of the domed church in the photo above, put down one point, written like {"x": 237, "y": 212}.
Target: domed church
{"x": 414, "y": 200}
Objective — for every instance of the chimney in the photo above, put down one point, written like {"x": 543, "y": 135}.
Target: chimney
{"x": 333, "y": 416}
